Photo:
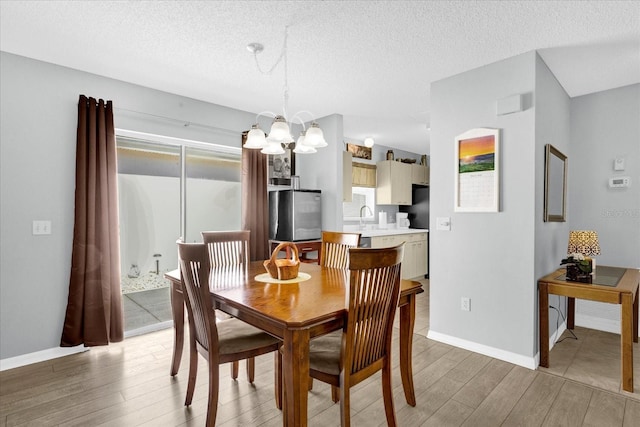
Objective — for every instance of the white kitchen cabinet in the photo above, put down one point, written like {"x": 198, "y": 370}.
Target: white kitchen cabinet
{"x": 414, "y": 262}
{"x": 393, "y": 186}
{"x": 419, "y": 174}
{"x": 347, "y": 167}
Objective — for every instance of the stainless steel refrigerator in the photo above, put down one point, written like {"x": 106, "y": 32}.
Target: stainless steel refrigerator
{"x": 295, "y": 215}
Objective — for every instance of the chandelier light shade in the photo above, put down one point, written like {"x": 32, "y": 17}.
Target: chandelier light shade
{"x": 584, "y": 242}
{"x": 255, "y": 138}
{"x": 279, "y": 135}
{"x": 301, "y": 147}
{"x": 273, "y": 148}
{"x": 280, "y": 131}
{"x": 314, "y": 137}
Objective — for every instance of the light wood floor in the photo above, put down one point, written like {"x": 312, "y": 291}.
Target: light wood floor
{"x": 128, "y": 384}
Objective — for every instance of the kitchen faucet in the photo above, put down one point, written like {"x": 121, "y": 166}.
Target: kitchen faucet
{"x": 370, "y": 211}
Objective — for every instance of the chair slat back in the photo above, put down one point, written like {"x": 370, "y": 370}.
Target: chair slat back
{"x": 334, "y": 251}
{"x": 194, "y": 267}
{"x": 227, "y": 248}
{"x": 374, "y": 292}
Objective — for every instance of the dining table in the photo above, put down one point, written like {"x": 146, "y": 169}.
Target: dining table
{"x": 295, "y": 312}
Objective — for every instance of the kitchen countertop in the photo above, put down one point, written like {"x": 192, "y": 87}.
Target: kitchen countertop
{"x": 372, "y": 230}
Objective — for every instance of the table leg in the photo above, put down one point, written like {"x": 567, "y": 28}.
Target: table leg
{"x": 571, "y": 312}
{"x": 635, "y": 317}
{"x": 543, "y": 320}
{"x": 177, "y": 311}
{"x": 626, "y": 341}
{"x": 295, "y": 361}
{"x": 407, "y": 321}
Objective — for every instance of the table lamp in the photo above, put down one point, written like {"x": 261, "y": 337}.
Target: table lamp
{"x": 584, "y": 242}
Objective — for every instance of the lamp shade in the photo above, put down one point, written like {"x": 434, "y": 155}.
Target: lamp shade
{"x": 315, "y": 137}
{"x": 301, "y": 147}
{"x": 273, "y": 148}
{"x": 584, "y": 242}
{"x": 255, "y": 138}
{"x": 280, "y": 131}
{"x": 368, "y": 142}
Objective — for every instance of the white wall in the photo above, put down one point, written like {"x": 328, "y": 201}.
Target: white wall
{"x": 38, "y": 112}
{"x": 488, "y": 257}
{"x": 605, "y": 126}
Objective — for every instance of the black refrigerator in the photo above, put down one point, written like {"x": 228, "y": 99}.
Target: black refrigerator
{"x": 419, "y": 210}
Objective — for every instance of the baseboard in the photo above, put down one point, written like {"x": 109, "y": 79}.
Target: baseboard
{"x": 606, "y": 325}
{"x": 39, "y": 356}
{"x": 507, "y": 356}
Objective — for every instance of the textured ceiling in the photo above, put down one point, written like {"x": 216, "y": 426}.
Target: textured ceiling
{"x": 371, "y": 61}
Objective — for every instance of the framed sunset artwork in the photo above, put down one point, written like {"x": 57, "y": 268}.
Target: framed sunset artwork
{"x": 477, "y": 183}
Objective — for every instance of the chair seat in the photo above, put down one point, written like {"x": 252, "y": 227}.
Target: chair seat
{"x": 236, "y": 336}
{"x": 324, "y": 353}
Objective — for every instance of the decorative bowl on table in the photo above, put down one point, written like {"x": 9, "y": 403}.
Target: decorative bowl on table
{"x": 283, "y": 268}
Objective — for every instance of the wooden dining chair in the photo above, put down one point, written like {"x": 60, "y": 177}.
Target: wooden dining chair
{"x": 227, "y": 249}
{"x": 363, "y": 347}
{"x": 222, "y": 342}
{"x": 334, "y": 250}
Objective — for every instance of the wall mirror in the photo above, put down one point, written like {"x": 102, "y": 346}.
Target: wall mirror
{"x": 555, "y": 185}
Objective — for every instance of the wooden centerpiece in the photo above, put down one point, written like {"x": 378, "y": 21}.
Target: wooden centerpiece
{"x": 283, "y": 268}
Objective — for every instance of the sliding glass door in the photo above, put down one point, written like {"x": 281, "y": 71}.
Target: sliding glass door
{"x": 168, "y": 191}
{"x": 212, "y": 193}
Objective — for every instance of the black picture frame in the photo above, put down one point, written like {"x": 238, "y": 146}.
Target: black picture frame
{"x": 282, "y": 167}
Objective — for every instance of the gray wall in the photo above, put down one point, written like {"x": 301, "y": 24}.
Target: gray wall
{"x": 493, "y": 258}
{"x": 323, "y": 171}
{"x": 38, "y": 112}
{"x": 552, "y": 113}
{"x": 496, "y": 259}
{"x": 604, "y": 126}
{"x": 488, "y": 257}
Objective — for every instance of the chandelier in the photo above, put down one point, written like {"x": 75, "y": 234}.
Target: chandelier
{"x": 280, "y": 136}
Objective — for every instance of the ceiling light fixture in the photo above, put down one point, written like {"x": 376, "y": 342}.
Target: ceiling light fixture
{"x": 280, "y": 137}
{"x": 368, "y": 142}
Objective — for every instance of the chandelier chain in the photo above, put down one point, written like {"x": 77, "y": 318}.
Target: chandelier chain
{"x": 281, "y": 57}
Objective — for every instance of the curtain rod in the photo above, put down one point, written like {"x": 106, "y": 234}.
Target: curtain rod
{"x": 184, "y": 123}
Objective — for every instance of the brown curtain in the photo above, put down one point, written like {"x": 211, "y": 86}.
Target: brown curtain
{"x": 255, "y": 207}
{"x": 94, "y": 309}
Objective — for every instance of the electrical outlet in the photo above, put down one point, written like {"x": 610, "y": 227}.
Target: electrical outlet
{"x": 465, "y": 304}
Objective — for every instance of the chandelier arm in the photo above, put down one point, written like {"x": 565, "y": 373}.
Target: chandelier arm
{"x": 297, "y": 116}
{"x": 266, "y": 114}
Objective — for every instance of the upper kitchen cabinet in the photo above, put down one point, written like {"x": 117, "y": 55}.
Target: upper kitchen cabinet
{"x": 419, "y": 174}
{"x": 393, "y": 183}
{"x": 363, "y": 175}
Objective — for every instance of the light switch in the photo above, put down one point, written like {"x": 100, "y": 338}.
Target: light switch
{"x": 618, "y": 164}
{"x": 41, "y": 227}
{"x": 443, "y": 223}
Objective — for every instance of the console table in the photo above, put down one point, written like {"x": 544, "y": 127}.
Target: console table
{"x": 612, "y": 285}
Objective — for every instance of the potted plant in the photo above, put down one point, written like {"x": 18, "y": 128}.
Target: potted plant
{"x": 579, "y": 268}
